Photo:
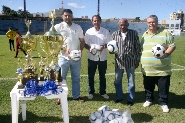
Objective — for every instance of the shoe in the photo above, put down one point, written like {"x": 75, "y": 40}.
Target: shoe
{"x": 90, "y": 96}
{"x": 79, "y": 99}
{"x": 165, "y": 108}
{"x": 105, "y": 96}
{"x": 117, "y": 101}
{"x": 58, "y": 102}
{"x": 147, "y": 103}
{"x": 14, "y": 56}
{"x": 130, "y": 103}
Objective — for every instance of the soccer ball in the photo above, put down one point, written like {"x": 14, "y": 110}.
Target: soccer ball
{"x": 158, "y": 50}
{"x": 112, "y": 46}
{"x": 95, "y": 49}
{"x": 75, "y": 55}
{"x": 95, "y": 116}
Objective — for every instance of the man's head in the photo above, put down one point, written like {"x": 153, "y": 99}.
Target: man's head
{"x": 10, "y": 28}
{"x": 67, "y": 16}
{"x": 152, "y": 22}
{"x": 96, "y": 21}
{"x": 123, "y": 25}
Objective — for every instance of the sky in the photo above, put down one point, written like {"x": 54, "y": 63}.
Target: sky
{"x": 108, "y": 8}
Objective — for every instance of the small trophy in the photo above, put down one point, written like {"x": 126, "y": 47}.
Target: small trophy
{"x": 28, "y": 44}
{"x": 19, "y": 71}
{"x": 51, "y": 43}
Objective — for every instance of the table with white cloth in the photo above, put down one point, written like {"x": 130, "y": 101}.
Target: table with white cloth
{"x": 18, "y": 95}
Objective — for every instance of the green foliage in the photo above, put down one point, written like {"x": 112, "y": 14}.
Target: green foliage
{"x": 9, "y": 12}
{"x": 42, "y": 110}
{"x": 137, "y": 19}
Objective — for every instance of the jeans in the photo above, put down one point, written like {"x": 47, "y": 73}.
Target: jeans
{"x": 102, "y": 67}
{"x": 75, "y": 74}
{"x": 131, "y": 83}
{"x": 163, "y": 83}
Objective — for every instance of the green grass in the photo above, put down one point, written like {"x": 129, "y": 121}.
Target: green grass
{"x": 42, "y": 110}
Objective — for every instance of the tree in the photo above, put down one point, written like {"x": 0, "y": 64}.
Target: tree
{"x": 6, "y": 10}
{"x": 137, "y": 19}
{"x": 13, "y": 13}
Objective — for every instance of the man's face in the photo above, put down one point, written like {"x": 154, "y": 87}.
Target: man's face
{"x": 96, "y": 22}
{"x": 67, "y": 17}
{"x": 123, "y": 25}
{"x": 152, "y": 24}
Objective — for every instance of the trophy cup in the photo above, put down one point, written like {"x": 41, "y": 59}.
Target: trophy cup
{"x": 19, "y": 71}
{"x": 29, "y": 70}
{"x": 51, "y": 44}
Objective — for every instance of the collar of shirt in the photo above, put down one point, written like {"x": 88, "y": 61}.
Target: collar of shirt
{"x": 158, "y": 30}
{"x": 97, "y": 31}
{"x": 65, "y": 24}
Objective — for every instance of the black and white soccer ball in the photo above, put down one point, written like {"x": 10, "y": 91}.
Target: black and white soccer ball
{"x": 75, "y": 55}
{"x": 95, "y": 116}
{"x": 158, "y": 50}
{"x": 95, "y": 49}
{"x": 112, "y": 46}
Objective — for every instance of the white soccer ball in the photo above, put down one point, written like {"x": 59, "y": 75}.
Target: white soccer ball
{"x": 75, "y": 55}
{"x": 95, "y": 49}
{"x": 112, "y": 46}
{"x": 109, "y": 115}
{"x": 95, "y": 116}
{"x": 158, "y": 50}
{"x": 103, "y": 109}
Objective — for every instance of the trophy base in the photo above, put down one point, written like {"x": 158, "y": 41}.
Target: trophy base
{"x": 20, "y": 86}
{"x": 25, "y": 80}
{"x": 41, "y": 78}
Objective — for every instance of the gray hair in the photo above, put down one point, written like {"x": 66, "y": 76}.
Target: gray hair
{"x": 154, "y": 17}
{"x": 123, "y": 19}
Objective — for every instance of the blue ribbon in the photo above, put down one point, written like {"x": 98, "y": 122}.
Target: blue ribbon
{"x": 33, "y": 89}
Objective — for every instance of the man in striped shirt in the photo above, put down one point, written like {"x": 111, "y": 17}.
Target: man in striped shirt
{"x": 127, "y": 58}
{"x": 156, "y": 70}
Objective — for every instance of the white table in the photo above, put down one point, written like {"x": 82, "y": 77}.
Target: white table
{"x": 17, "y": 94}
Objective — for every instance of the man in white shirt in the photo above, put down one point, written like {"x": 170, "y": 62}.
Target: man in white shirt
{"x": 74, "y": 34}
{"x": 98, "y": 36}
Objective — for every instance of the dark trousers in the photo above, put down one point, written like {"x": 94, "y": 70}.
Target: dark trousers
{"x": 17, "y": 50}
{"x": 163, "y": 83}
{"x": 11, "y": 42}
{"x": 102, "y": 67}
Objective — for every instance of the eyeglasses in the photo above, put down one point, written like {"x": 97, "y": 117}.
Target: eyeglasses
{"x": 151, "y": 22}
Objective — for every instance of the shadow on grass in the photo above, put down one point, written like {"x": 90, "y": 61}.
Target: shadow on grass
{"x": 175, "y": 101}
{"x": 142, "y": 117}
{"x": 79, "y": 119}
{"x": 32, "y": 118}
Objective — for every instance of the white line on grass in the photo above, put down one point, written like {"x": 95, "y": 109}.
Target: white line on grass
{"x": 108, "y": 74}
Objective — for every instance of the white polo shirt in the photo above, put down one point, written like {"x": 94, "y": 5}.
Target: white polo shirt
{"x": 72, "y": 33}
{"x": 101, "y": 37}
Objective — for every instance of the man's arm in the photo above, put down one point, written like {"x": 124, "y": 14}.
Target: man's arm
{"x": 82, "y": 43}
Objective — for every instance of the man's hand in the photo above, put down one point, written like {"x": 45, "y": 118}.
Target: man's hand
{"x": 136, "y": 65}
{"x": 164, "y": 56}
{"x": 68, "y": 53}
{"x": 112, "y": 52}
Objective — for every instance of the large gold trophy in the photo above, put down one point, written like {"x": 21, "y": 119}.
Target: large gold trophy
{"x": 29, "y": 70}
{"x": 51, "y": 43}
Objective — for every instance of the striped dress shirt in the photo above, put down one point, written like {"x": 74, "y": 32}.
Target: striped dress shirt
{"x": 129, "y": 51}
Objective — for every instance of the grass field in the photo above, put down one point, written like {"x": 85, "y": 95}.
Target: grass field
{"x": 42, "y": 110}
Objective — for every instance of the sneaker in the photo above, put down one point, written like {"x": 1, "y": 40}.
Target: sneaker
{"x": 165, "y": 108}
{"x": 105, "y": 96}
{"x": 90, "y": 96}
{"x": 147, "y": 103}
